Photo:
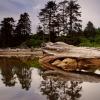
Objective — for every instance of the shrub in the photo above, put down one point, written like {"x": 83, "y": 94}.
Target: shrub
{"x": 33, "y": 43}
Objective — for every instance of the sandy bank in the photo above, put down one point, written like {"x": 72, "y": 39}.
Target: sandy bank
{"x": 20, "y": 52}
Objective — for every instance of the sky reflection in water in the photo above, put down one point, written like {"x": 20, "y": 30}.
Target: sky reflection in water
{"x": 20, "y": 81}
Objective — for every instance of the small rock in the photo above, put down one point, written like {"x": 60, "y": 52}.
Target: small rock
{"x": 56, "y": 62}
{"x": 69, "y": 61}
{"x": 62, "y": 64}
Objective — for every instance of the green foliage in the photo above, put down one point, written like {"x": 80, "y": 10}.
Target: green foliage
{"x": 73, "y": 40}
{"x": 90, "y": 31}
{"x": 34, "y": 63}
{"x": 74, "y": 22}
{"x": 34, "y": 42}
{"x": 91, "y": 37}
{"x": 63, "y": 17}
{"x": 87, "y": 42}
{"x": 11, "y": 36}
{"x": 7, "y": 30}
{"x": 47, "y": 18}
{"x": 23, "y": 28}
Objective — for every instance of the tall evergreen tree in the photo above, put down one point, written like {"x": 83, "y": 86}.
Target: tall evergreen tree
{"x": 90, "y": 31}
{"x": 7, "y": 30}
{"x": 62, "y": 9}
{"x": 42, "y": 17}
{"x": 23, "y": 28}
{"x": 40, "y": 33}
{"x": 62, "y": 18}
{"x": 47, "y": 17}
{"x": 74, "y": 23}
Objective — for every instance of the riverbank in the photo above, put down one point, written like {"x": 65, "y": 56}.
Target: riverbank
{"x": 37, "y": 52}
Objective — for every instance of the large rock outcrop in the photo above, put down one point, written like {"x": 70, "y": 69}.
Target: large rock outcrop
{"x": 63, "y": 49}
{"x": 67, "y": 57}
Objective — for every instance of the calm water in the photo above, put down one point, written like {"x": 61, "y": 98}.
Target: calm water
{"x": 19, "y": 80}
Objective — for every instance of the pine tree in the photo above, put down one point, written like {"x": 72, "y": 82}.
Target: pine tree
{"x": 74, "y": 23}
{"x": 61, "y": 18}
{"x": 23, "y": 28}
{"x": 62, "y": 10}
{"x": 40, "y": 33}
{"x": 90, "y": 31}
{"x": 47, "y": 17}
{"x": 7, "y": 30}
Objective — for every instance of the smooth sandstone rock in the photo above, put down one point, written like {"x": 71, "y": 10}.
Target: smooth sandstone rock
{"x": 70, "y": 57}
{"x": 62, "y": 64}
{"x": 69, "y": 60}
{"x": 56, "y": 62}
{"x": 63, "y": 49}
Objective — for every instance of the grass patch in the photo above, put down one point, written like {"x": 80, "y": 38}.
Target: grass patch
{"x": 34, "y": 63}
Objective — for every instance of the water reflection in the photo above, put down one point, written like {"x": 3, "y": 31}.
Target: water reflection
{"x": 12, "y": 68}
{"x": 39, "y": 85}
{"x": 56, "y": 89}
{"x": 24, "y": 76}
{"x": 8, "y": 75}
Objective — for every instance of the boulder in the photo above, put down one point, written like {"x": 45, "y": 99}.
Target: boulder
{"x": 68, "y": 57}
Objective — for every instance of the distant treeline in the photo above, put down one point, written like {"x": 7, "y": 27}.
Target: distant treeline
{"x": 59, "y": 22}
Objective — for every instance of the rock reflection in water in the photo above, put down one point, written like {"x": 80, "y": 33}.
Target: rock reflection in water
{"x": 12, "y": 68}
{"x": 56, "y": 89}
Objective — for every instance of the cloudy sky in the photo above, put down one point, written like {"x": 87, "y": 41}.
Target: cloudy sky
{"x": 13, "y": 8}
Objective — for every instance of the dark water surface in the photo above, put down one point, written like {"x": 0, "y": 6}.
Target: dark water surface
{"x": 20, "y": 80}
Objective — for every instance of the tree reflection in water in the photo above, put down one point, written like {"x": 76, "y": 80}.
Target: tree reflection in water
{"x": 11, "y": 67}
{"x": 56, "y": 89}
{"x": 7, "y": 72}
{"x": 24, "y": 76}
